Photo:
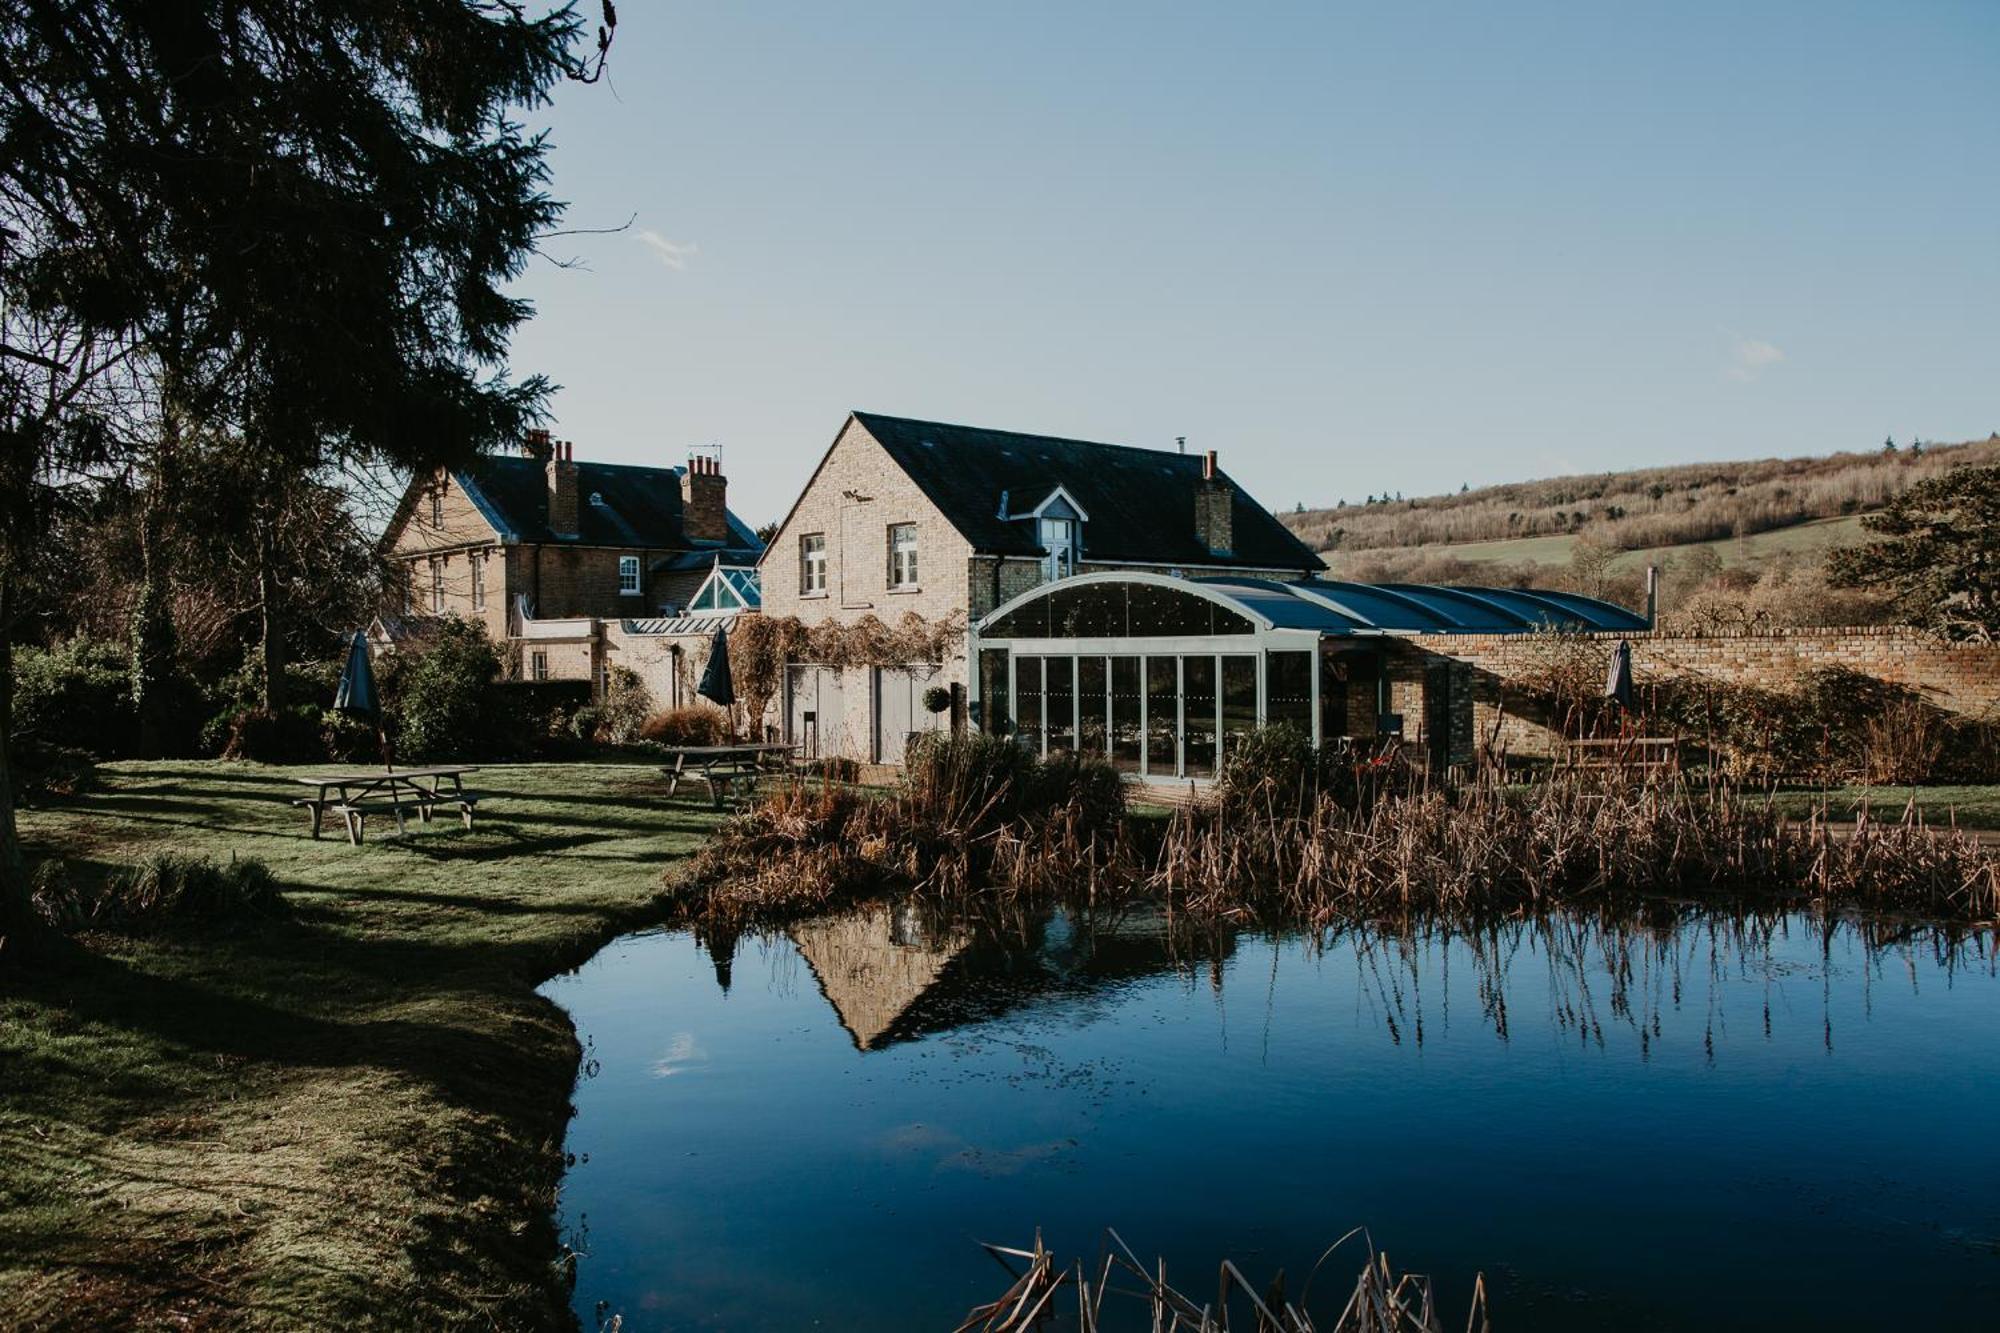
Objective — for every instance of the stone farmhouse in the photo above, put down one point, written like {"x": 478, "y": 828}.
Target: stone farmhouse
{"x": 950, "y": 522}
{"x": 574, "y": 566}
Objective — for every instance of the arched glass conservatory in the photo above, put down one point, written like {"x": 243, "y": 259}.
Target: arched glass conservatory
{"x": 1163, "y": 674}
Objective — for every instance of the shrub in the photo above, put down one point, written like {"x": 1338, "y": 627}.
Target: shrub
{"x": 76, "y": 695}
{"x": 445, "y": 704}
{"x": 41, "y": 772}
{"x": 626, "y": 709}
{"x": 346, "y": 739}
{"x": 699, "y": 724}
{"x": 292, "y": 736}
{"x": 937, "y": 699}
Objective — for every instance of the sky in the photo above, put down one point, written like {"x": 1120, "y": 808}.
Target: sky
{"x": 1356, "y": 248}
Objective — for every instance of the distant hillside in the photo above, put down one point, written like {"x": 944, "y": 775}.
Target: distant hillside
{"x": 1648, "y": 508}
{"x": 1738, "y": 544}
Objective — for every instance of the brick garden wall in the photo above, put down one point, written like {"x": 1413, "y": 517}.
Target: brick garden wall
{"x": 1962, "y": 678}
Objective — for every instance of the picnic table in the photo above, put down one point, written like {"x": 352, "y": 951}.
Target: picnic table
{"x": 724, "y": 767}
{"x": 354, "y": 796}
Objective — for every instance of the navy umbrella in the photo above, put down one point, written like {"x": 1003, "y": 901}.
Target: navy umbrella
{"x": 357, "y": 695}
{"x": 715, "y": 681}
{"x": 1618, "y": 682}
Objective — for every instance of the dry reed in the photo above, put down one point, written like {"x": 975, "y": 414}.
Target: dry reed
{"x": 1382, "y": 1301}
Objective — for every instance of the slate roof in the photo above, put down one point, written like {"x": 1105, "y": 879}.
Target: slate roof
{"x": 1140, "y": 501}
{"x": 641, "y": 509}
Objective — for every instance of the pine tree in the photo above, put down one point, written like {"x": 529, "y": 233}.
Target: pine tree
{"x": 294, "y": 221}
{"x": 1937, "y": 548}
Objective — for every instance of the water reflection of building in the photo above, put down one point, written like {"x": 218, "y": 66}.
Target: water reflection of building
{"x": 893, "y": 973}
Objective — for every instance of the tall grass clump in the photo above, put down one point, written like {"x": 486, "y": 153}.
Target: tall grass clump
{"x": 972, "y": 813}
{"x": 164, "y": 887}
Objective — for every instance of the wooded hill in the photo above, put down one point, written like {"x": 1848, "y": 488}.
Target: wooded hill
{"x": 1643, "y": 509}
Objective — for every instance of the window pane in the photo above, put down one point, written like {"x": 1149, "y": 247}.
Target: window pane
{"x": 993, "y": 717}
{"x": 1125, "y": 714}
{"x": 1028, "y": 621}
{"x": 1163, "y": 703}
{"x": 1060, "y": 706}
{"x": 1028, "y": 701}
{"x": 1198, "y": 676}
{"x": 1288, "y": 690}
{"x": 1090, "y": 701}
{"x": 1239, "y": 700}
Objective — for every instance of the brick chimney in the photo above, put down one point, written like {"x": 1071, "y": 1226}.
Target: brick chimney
{"x": 562, "y": 488}
{"x": 536, "y": 445}
{"x": 704, "y": 501}
{"x": 1214, "y": 509}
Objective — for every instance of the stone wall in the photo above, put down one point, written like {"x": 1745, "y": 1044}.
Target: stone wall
{"x": 1961, "y": 678}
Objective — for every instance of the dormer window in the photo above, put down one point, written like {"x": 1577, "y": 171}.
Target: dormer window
{"x": 597, "y": 498}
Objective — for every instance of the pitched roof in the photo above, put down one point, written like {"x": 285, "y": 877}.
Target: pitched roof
{"x": 1140, "y": 501}
{"x": 641, "y": 505}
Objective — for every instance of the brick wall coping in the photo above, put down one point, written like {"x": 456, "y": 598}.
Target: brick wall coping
{"x": 1735, "y": 636}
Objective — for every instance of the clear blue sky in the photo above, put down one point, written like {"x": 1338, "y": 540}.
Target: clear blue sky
{"x": 1354, "y": 247}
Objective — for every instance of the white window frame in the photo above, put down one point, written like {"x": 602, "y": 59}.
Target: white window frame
{"x": 1058, "y": 538}
{"x": 478, "y": 559}
{"x": 903, "y": 555}
{"x": 812, "y": 565}
{"x": 538, "y": 664}
{"x": 628, "y": 576}
{"x": 437, "y": 585}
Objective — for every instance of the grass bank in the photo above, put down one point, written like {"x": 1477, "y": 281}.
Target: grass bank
{"x": 1974, "y": 807}
{"x": 350, "y": 1116}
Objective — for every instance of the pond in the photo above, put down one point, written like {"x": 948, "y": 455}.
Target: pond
{"x": 1714, "y": 1123}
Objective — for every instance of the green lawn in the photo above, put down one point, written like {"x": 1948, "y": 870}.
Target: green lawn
{"x": 349, "y": 1118}
{"x": 1970, "y": 807}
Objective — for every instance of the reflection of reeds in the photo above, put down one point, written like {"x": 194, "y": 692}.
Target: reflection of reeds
{"x": 1383, "y": 1301}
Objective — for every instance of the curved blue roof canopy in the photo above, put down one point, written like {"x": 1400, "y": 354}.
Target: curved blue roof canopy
{"x": 1328, "y": 606}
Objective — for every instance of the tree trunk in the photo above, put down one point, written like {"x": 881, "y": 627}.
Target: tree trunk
{"x": 273, "y": 618}
{"x": 152, "y": 632}
{"x": 19, "y": 926}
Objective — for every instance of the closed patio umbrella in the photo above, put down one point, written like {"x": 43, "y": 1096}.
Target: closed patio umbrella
{"x": 1618, "y": 682}
{"x": 357, "y": 695}
{"x": 715, "y": 681}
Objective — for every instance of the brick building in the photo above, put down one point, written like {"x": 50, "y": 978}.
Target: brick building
{"x": 544, "y": 550}
{"x": 952, "y": 521}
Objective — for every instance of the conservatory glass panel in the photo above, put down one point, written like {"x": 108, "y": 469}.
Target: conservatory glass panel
{"x": 1239, "y": 700}
{"x": 1198, "y": 708}
{"x": 1163, "y": 706}
{"x": 1028, "y": 701}
{"x": 1092, "y": 703}
{"x": 1059, "y": 708}
{"x": 1288, "y": 690}
{"x": 1125, "y": 714}
{"x": 993, "y": 715}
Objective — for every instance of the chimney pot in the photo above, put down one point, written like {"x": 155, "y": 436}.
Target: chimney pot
{"x": 1208, "y": 466}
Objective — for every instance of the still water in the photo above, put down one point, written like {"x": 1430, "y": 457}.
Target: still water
{"x": 1721, "y": 1124}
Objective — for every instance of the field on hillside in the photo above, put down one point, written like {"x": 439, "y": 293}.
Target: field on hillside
{"x": 1645, "y": 510}
{"x": 1816, "y": 535}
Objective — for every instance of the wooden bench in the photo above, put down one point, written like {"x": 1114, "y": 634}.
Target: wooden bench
{"x": 354, "y": 813}
{"x": 1642, "y": 756}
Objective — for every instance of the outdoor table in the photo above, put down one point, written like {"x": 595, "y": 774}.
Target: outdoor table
{"x": 355, "y": 794}
{"x": 721, "y": 766}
